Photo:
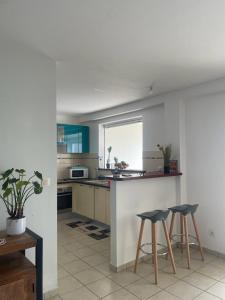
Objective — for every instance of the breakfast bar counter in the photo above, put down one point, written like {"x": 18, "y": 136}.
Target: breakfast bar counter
{"x": 133, "y": 195}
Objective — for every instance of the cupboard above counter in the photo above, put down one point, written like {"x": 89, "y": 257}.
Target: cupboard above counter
{"x": 72, "y": 138}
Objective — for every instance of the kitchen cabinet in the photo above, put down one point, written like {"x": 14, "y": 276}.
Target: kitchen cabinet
{"x": 102, "y": 208}
{"x": 92, "y": 202}
{"x": 100, "y": 204}
{"x": 83, "y": 200}
{"x": 72, "y": 138}
{"x": 107, "y": 203}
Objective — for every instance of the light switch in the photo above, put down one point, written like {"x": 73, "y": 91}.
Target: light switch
{"x": 47, "y": 181}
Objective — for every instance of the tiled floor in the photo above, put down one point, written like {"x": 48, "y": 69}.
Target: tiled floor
{"x": 84, "y": 273}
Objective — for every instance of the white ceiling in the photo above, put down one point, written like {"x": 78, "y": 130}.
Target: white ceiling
{"x": 109, "y": 51}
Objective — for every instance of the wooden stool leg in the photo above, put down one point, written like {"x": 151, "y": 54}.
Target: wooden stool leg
{"x": 169, "y": 246}
{"x": 171, "y": 229}
{"x": 187, "y": 241}
{"x": 154, "y": 241}
{"x": 182, "y": 233}
{"x": 171, "y": 226}
{"x": 139, "y": 245}
{"x": 197, "y": 236}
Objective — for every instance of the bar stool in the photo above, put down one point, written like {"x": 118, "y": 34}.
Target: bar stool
{"x": 185, "y": 210}
{"x": 154, "y": 216}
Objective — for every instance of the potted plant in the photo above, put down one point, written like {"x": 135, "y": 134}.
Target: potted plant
{"x": 108, "y": 160}
{"x": 166, "y": 152}
{"x": 16, "y": 190}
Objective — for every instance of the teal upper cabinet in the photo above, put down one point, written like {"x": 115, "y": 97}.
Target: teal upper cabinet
{"x": 72, "y": 138}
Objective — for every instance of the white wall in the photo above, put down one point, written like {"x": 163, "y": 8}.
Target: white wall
{"x": 205, "y": 125}
{"x": 153, "y": 127}
{"x": 28, "y": 135}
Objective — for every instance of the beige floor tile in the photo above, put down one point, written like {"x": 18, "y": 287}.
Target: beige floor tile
{"x": 162, "y": 262}
{"x": 124, "y": 278}
{"x": 88, "y": 276}
{"x": 104, "y": 269}
{"x": 143, "y": 289}
{"x": 195, "y": 263}
{"x": 217, "y": 290}
{"x": 183, "y": 290}
{"x": 164, "y": 279}
{"x": 83, "y": 252}
{"x": 121, "y": 294}
{"x": 181, "y": 272}
{"x": 163, "y": 296}
{"x": 199, "y": 280}
{"x": 66, "y": 258}
{"x": 53, "y": 298}
{"x": 99, "y": 247}
{"x": 207, "y": 256}
{"x": 103, "y": 287}
{"x": 94, "y": 260}
{"x": 76, "y": 266}
{"x": 87, "y": 241}
{"x": 80, "y": 294}
{"x": 72, "y": 247}
{"x": 218, "y": 262}
{"x": 62, "y": 250}
{"x": 105, "y": 253}
{"x": 62, "y": 273}
{"x": 143, "y": 269}
{"x": 212, "y": 271}
{"x": 206, "y": 296}
{"x": 68, "y": 284}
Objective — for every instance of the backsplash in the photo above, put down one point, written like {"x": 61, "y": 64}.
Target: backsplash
{"x": 66, "y": 161}
{"x": 152, "y": 161}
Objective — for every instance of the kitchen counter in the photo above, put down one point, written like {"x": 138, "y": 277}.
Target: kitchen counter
{"x": 94, "y": 182}
{"x": 145, "y": 176}
{"x": 131, "y": 196}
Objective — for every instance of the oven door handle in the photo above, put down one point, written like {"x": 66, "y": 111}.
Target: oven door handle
{"x": 64, "y": 194}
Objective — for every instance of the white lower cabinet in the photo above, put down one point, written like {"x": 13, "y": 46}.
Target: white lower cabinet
{"x": 92, "y": 202}
{"x": 83, "y": 200}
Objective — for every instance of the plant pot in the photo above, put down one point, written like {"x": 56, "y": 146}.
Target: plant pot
{"x": 166, "y": 169}
{"x": 108, "y": 165}
{"x": 15, "y": 226}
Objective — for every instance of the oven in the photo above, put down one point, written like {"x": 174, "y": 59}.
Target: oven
{"x": 64, "y": 198}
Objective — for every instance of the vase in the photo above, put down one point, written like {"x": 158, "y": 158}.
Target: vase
{"x": 166, "y": 169}
{"x": 15, "y": 226}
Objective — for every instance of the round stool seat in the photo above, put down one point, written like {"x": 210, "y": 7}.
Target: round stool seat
{"x": 154, "y": 215}
{"x": 184, "y": 209}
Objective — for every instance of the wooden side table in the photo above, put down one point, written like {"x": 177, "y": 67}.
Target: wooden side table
{"x": 18, "y": 276}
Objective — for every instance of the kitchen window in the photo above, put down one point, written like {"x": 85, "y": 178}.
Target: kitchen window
{"x": 126, "y": 140}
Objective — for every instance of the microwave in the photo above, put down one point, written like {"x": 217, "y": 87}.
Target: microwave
{"x": 78, "y": 172}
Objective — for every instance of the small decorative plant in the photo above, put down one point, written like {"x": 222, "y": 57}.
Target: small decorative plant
{"x": 108, "y": 160}
{"x": 166, "y": 152}
{"x": 120, "y": 165}
{"x": 16, "y": 190}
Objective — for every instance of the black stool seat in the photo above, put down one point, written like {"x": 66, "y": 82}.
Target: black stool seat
{"x": 184, "y": 209}
{"x": 154, "y": 215}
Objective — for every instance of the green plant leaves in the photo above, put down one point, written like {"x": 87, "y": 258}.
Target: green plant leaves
{"x": 20, "y": 171}
{"x": 7, "y": 173}
{"x": 7, "y": 192}
{"x": 13, "y": 180}
{"x": 37, "y": 187}
{"x": 20, "y": 184}
{"x": 5, "y": 185}
{"x": 39, "y": 175}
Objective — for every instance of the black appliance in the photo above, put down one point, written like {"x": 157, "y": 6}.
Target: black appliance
{"x": 64, "y": 198}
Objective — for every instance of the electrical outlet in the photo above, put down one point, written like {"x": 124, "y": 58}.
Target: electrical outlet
{"x": 211, "y": 233}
